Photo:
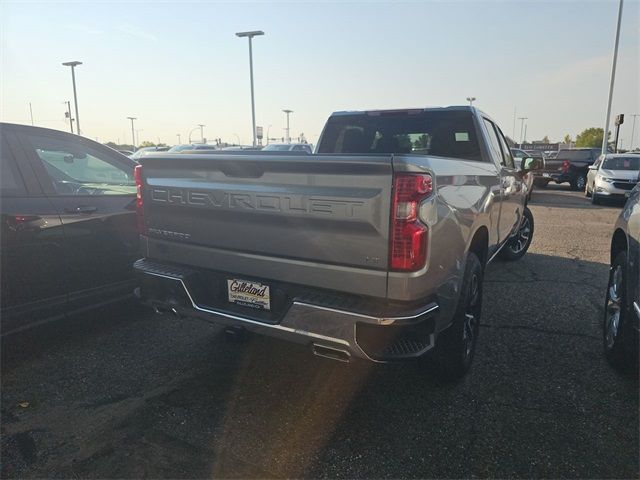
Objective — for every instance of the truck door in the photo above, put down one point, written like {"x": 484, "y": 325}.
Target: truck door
{"x": 510, "y": 184}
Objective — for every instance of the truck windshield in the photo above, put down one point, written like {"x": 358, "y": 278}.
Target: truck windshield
{"x": 441, "y": 133}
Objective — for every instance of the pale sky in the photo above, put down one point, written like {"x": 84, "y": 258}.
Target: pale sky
{"x": 177, "y": 64}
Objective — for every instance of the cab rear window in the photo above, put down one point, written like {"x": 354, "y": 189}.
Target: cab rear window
{"x": 441, "y": 133}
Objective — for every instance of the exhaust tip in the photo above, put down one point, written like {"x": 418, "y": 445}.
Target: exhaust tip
{"x": 332, "y": 353}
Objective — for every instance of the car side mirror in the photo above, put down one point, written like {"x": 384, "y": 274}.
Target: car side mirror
{"x": 593, "y": 167}
{"x": 531, "y": 165}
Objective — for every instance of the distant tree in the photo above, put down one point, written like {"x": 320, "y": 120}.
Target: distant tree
{"x": 546, "y": 139}
{"x": 591, "y": 137}
{"x": 510, "y": 142}
{"x": 146, "y": 143}
{"x": 567, "y": 139}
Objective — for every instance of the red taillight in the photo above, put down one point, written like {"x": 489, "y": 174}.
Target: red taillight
{"x": 408, "y": 234}
{"x": 565, "y": 166}
{"x": 137, "y": 176}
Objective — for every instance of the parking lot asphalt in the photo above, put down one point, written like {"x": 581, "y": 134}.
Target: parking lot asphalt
{"x": 126, "y": 393}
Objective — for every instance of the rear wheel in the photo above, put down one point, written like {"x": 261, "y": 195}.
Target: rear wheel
{"x": 456, "y": 346}
{"x": 579, "y": 182}
{"x": 518, "y": 245}
{"x": 620, "y": 348}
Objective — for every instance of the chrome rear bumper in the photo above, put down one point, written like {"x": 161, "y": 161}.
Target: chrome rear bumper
{"x": 326, "y": 329}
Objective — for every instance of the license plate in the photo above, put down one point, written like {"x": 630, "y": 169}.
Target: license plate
{"x": 248, "y": 294}
{"x": 546, "y": 175}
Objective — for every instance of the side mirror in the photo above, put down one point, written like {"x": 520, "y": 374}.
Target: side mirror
{"x": 531, "y": 165}
{"x": 593, "y": 167}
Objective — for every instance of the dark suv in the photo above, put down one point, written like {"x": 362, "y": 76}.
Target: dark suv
{"x": 69, "y": 234}
{"x": 571, "y": 165}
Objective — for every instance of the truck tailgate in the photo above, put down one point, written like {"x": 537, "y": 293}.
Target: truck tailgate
{"x": 325, "y": 209}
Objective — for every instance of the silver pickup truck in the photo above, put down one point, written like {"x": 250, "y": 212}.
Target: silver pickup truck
{"x": 374, "y": 247}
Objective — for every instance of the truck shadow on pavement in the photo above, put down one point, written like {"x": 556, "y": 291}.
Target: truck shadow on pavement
{"x": 170, "y": 398}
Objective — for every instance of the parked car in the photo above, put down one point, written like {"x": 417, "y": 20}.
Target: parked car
{"x": 612, "y": 176}
{"x": 622, "y": 305}
{"x": 147, "y": 150}
{"x": 180, "y": 148}
{"x": 288, "y": 147}
{"x": 128, "y": 153}
{"x": 375, "y": 248}
{"x": 69, "y": 230}
{"x": 551, "y": 155}
{"x": 518, "y": 157}
{"x": 571, "y": 165}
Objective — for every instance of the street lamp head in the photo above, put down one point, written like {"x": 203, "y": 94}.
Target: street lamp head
{"x": 471, "y": 99}
{"x": 132, "y": 118}
{"x": 72, "y": 64}
{"x": 253, "y": 33}
{"x": 287, "y": 111}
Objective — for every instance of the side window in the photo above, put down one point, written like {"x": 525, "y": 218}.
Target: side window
{"x": 493, "y": 140}
{"x": 11, "y": 183}
{"x": 77, "y": 168}
{"x": 506, "y": 152}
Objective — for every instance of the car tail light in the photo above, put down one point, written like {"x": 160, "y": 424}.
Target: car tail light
{"x": 137, "y": 176}
{"x": 565, "y": 166}
{"x": 408, "y": 234}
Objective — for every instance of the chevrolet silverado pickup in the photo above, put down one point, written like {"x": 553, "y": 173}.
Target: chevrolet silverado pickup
{"x": 373, "y": 248}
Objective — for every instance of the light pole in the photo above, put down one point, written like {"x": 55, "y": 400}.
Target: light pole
{"x": 73, "y": 66}
{"x": 633, "y": 129}
{"x": 138, "y": 130}
{"x": 471, "y": 100}
{"x": 605, "y": 133}
{"x": 178, "y": 135}
{"x": 250, "y": 35}
{"x": 522, "y": 119}
{"x": 268, "y": 128}
{"x": 288, "y": 137}
{"x": 201, "y": 132}
{"x": 133, "y": 132}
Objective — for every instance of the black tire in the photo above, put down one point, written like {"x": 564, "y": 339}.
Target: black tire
{"x": 518, "y": 245}
{"x": 587, "y": 192}
{"x": 620, "y": 346}
{"x": 456, "y": 346}
{"x": 595, "y": 200}
{"x": 541, "y": 183}
{"x": 579, "y": 182}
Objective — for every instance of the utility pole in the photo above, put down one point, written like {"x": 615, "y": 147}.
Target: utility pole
{"x": 633, "y": 129}
{"x": 69, "y": 114}
{"x": 201, "y": 132}
{"x": 133, "y": 132}
{"x": 288, "y": 137}
{"x": 525, "y": 133}
{"x": 31, "y": 111}
{"x": 605, "y": 136}
{"x": 522, "y": 119}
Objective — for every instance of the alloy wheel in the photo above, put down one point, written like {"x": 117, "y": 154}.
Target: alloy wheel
{"x": 522, "y": 238}
{"x": 613, "y": 308}
{"x": 471, "y": 316}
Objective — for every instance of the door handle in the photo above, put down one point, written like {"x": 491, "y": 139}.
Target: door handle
{"x": 83, "y": 209}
